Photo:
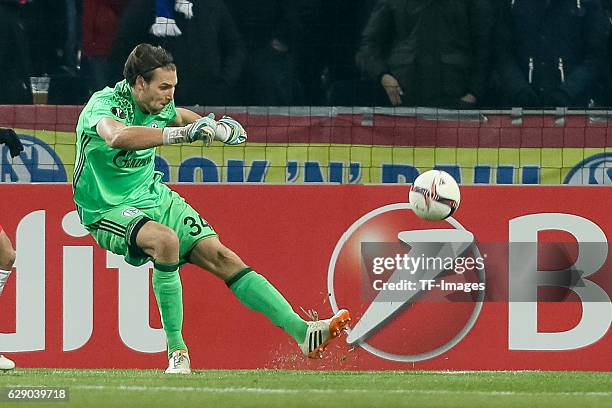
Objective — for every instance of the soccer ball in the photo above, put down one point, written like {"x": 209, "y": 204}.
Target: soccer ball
{"x": 434, "y": 195}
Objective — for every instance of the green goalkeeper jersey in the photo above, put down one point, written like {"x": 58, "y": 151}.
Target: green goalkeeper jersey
{"x": 105, "y": 177}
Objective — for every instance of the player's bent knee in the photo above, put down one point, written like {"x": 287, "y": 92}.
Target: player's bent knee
{"x": 158, "y": 240}
{"x": 168, "y": 240}
{"x": 8, "y": 260}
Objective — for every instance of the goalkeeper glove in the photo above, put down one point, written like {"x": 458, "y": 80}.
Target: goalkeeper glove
{"x": 9, "y": 137}
{"x": 230, "y": 132}
{"x": 226, "y": 130}
{"x": 202, "y": 129}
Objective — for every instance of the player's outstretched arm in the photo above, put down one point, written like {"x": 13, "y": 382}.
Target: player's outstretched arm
{"x": 118, "y": 135}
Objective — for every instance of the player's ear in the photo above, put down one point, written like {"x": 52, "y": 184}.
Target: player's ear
{"x": 140, "y": 82}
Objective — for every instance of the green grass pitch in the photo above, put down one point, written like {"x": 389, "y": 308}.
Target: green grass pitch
{"x": 279, "y": 388}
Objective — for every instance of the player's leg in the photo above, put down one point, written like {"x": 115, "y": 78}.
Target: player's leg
{"x": 162, "y": 244}
{"x": 252, "y": 289}
{"x": 132, "y": 233}
{"x": 7, "y": 259}
{"x": 257, "y": 293}
{"x": 200, "y": 245}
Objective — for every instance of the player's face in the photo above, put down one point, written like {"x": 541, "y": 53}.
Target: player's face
{"x": 153, "y": 96}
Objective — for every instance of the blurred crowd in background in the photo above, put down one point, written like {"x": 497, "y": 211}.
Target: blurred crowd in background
{"x": 441, "y": 53}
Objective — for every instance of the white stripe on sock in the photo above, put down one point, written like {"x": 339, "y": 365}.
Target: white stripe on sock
{"x": 3, "y": 278}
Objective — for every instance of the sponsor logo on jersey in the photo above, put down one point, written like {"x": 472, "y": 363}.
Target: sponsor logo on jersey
{"x": 125, "y": 159}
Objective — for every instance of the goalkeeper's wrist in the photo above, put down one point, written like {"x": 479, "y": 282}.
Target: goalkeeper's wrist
{"x": 173, "y": 135}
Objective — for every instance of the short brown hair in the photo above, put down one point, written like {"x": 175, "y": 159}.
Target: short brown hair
{"x": 144, "y": 59}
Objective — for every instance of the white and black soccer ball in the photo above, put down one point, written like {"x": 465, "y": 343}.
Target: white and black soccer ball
{"x": 434, "y": 195}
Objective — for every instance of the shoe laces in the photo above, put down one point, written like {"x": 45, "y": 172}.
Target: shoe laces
{"x": 177, "y": 359}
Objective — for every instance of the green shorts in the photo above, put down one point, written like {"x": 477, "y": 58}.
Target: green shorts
{"x": 117, "y": 230}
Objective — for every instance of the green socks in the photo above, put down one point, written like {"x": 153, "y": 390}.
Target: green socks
{"x": 255, "y": 292}
{"x": 169, "y": 295}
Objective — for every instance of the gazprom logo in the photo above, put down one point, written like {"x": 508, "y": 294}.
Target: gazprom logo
{"x": 596, "y": 169}
{"x": 130, "y": 159}
{"x": 37, "y": 163}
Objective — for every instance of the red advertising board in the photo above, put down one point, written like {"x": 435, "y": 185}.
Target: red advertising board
{"x": 425, "y": 127}
{"x": 70, "y": 304}
{"x": 346, "y": 146}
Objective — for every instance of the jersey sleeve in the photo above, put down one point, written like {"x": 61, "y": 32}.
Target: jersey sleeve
{"x": 106, "y": 108}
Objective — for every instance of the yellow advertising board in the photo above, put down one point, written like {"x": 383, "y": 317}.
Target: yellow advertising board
{"x": 49, "y": 157}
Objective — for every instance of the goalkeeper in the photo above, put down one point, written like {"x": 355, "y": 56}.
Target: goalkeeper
{"x": 122, "y": 202}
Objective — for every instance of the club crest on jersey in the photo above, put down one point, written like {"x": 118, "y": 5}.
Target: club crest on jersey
{"x": 118, "y": 112}
{"x": 130, "y": 212}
